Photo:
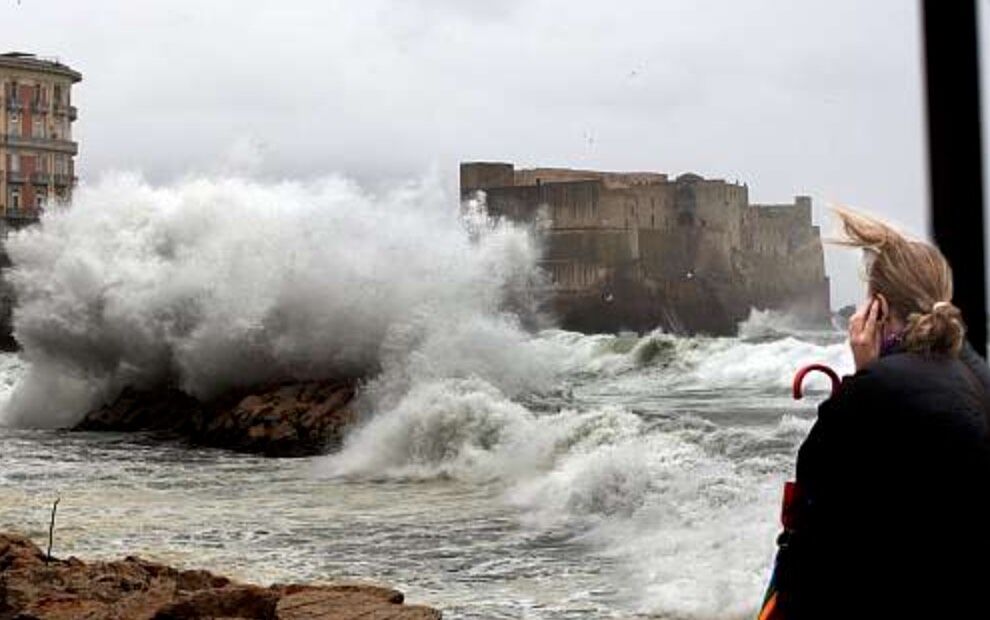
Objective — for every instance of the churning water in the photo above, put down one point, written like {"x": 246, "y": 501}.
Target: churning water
{"x": 499, "y": 473}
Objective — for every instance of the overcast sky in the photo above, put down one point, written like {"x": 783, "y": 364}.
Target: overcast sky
{"x": 820, "y": 97}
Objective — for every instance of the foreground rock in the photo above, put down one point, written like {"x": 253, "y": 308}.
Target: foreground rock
{"x": 137, "y": 589}
{"x": 292, "y": 419}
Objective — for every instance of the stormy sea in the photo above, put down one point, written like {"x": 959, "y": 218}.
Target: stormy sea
{"x": 503, "y": 468}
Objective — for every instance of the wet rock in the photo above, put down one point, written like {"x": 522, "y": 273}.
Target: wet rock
{"x": 346, "y": 601}
{"x": 289, "y": 419}
{"x": 137, "y": 589}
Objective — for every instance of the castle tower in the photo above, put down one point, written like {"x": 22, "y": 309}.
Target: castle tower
{"x": 477, "y": 175}
{"x": 36, "y": 147}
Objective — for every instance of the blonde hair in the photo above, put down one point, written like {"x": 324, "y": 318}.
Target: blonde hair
{"x": 913, "y": 277}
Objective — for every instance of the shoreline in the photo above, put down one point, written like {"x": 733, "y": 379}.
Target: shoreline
{"x": 63, "y": 589}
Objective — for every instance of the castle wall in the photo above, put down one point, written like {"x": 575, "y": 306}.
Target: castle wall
{"x": 644, "y": 206}
{"x": 483, "y": 175}
{"x": 573, "y": 204}
{"x": 588, "y": 260}
{"x": 786, "y": 261}
{"x": 611, "y": 180}
{"x": 638, "y": 251}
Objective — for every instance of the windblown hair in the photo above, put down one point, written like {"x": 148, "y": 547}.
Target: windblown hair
{"x": 915, "y": 279}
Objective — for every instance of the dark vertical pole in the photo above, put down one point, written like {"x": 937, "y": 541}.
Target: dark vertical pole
{"x": 955, "y": 153}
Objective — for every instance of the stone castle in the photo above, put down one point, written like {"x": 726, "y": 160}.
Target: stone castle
{"x": 636, "y": 251}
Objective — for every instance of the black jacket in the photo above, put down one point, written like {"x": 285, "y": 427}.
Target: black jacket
{"x": 895, "y": 480}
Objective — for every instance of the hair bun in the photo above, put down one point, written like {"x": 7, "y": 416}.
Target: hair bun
{"x": 939, "y": 331}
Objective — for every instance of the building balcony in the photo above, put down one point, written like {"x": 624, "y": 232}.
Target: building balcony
{"x": 38, "y": 107}
{"x": 48, "y": 144}
{"x": 64, "y": 180}
{"x": 13, "y": 105}
{"x": 66, "y": 110}
{"x": 16, "y": 177}
{"x": 21, "y": 216}
{"x": 41, "y": 178}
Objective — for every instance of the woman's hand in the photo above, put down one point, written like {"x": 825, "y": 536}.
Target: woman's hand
{"x": 865, "y": 336}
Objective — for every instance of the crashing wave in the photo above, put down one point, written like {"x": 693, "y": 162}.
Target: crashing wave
{"x": 211, "y": 284}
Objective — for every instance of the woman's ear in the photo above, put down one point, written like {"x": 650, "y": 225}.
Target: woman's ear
{"x": 884, "y": 308}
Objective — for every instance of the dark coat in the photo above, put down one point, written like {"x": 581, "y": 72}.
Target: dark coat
{"x": 894, "y": 476}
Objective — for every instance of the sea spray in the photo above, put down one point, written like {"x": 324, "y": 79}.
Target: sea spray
{"x": 624, "y": 490}
{"x": 648, "y": 454}
{"x": 682, "y": 507}
{"x": 210, "y": 284}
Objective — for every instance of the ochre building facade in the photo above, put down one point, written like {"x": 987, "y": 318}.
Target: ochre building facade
{"x": 36, "y": 146}
{"x": 637, "y": 251}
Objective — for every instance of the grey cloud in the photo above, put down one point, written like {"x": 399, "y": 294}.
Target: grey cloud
{"x": 819, "y": 97}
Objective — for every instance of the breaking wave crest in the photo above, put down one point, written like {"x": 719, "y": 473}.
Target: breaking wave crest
{"x": 704, "y": 362}
{"x": 684, "y": 505}
{"x": 214, "y": 283}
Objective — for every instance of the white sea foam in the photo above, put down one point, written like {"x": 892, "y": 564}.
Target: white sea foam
{"x": 772, "y": 324}
{"x": 703, "y": 362}
{"x": 686, "y": 507}
{"x": 214, "y": 283}
{"x": 12, "y": 369}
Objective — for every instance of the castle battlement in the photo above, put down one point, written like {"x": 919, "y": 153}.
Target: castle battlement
{"x": 687, "y": 253}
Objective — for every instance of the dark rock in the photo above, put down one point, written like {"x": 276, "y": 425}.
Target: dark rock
{"x": 140, "y": 590}
{"x": 289, "y": 419}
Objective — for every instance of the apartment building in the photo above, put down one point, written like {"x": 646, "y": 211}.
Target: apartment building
{"x": 37, "y": 150}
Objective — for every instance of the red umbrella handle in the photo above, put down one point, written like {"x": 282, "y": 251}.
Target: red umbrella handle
{"x": 801, "y": 374}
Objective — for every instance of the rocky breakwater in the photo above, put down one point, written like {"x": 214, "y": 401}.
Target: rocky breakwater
{"x": 32, "y": 588}
{"x": 288, "y": 419}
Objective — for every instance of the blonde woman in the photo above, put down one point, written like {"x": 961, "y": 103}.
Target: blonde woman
{"x": 893, "y": 519}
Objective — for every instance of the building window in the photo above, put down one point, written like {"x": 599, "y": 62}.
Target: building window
{"x": 37, "y": 93}
{"x": 15, "y": 199}
{"x": 58, "y": 94}
{"x": 15, "y": 163}
{"x": 39, "y": 199}
{"x": 37, "y": 127}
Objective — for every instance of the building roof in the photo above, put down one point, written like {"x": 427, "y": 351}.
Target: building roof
{"x": 31, "y": 62}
